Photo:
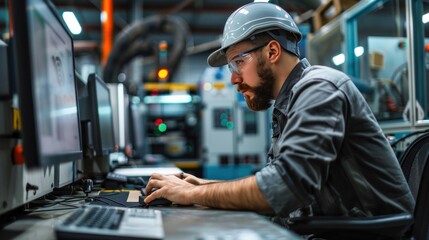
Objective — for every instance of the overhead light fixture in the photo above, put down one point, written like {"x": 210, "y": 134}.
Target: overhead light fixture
{"x": 425, "y": 18}
{"x": 185, "y": 98}
{"x": 359, "y": 51}
{"x": 72, "y": 22}
{"x": 103, "y": 17}
{"x": 339, "y": 59}
{"x": 261, "y": 0}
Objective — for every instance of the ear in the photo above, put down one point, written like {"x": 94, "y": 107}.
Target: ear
{"x": 274, "y": 51}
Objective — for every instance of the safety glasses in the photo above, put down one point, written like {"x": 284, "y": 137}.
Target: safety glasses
{"x": 237, "y": 61}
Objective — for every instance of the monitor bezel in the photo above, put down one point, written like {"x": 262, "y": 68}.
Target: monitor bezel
{"x": 93, "y": 79}
{"x": 25, "y": 79}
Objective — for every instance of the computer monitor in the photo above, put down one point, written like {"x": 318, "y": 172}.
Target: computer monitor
{"x": 119, "y": 99}
{"x": 137, "y": 129}
{"x": 101, "y": 116}
{"x": 46, "y": 84}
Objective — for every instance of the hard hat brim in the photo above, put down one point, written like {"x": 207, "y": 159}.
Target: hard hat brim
{"x": 217, "y": 58}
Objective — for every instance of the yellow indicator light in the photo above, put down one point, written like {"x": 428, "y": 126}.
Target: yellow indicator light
{"x": 162, "y": 74}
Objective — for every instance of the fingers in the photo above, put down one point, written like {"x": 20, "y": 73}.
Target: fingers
{"x": 154, "y": 182}
{"x": 161, "y": 186}
{"x": 154, "y": 188}
{"x": 181, "y": 175}
{"x": 154, "y": 195}
{"x": 156, "y": 176}
{"x": 150, "y": 185}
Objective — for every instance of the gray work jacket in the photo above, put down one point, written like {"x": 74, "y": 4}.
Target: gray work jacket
{"x": 329, "y": 156}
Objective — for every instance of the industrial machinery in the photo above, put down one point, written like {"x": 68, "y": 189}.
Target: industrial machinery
{"x": 235, "y": 138}
{"x": 173, "y": 122}
{"x": 387, "y": 64}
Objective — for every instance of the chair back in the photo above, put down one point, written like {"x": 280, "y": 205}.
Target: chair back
{"x": 414, "y": 164}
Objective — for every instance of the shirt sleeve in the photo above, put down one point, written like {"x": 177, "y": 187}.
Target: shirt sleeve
{"x": 266, "y": 178}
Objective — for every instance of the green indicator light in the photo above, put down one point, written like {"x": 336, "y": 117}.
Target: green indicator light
{"x": 162, "y": 127}
{"x": 230, "y": 125}
{"x": 223, "y": 122}
{"x": 223, "y": 116}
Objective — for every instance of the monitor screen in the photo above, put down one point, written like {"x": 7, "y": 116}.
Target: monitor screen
{"x": 101, "y": 116}
{"x": 46, "y": 85}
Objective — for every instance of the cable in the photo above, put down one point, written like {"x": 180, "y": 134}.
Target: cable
{"x": 47, "y": 203}
{"x": 53, "y": 209}
{"x": 138, "y": 31}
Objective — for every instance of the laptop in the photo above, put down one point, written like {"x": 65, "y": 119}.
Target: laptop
{"x": 107, "y": 222}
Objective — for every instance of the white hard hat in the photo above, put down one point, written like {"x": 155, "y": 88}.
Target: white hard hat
{"x": 251, "y": 19}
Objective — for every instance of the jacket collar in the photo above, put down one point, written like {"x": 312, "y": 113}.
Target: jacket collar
{"x": 292, "y": 79}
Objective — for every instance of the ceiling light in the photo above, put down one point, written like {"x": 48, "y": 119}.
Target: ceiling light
{"x": 359, "y": 51}
{"x": 72, "y": 23}
{"x": 103, "y": 16}
{"x": 185, "y": 98}
{"x": 339, "y": 59}
{"x": 425, "y": 18}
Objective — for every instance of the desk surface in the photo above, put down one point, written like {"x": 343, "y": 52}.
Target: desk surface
{"x": 180, "y": 223}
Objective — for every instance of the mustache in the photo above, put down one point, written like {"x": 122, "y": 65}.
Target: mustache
{"x": 243, "y": 86}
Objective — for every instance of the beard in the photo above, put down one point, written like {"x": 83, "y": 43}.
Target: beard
{"x": 263, "y": 93}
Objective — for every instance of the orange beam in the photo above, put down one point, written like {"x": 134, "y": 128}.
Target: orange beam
{"x": 9, "y": 5}
{"x": 107, "y": 29}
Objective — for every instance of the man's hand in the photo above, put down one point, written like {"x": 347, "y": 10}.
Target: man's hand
{"x": 241, "y": 194}
{"x": 194, "y": 180}
{"x": 190, "y": 178}
{"x": 170, "y": 187}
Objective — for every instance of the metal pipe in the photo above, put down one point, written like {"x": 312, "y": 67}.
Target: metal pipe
{"x": 107, "y": 28}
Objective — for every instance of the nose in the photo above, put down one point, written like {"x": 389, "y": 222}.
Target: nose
{"x": 235, "y": 78}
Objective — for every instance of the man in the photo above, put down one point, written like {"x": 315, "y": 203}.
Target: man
{"x": 328, "y": 157}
